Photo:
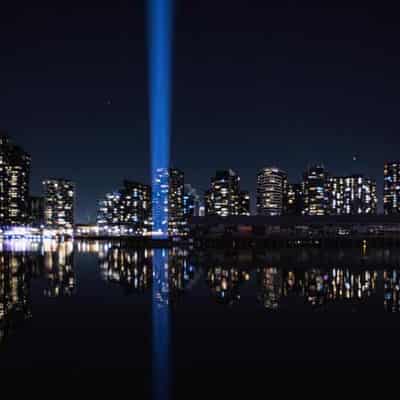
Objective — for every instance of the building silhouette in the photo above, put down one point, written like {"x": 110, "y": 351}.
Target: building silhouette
{"x": 109, "y": 213}
{"x": 36, "y": 211}
{"x": 59, "y": 198}
{"x": 136, "y": 207}
{"x": 225, "y": 198}
{"x": 271, "y": 191}
{"x": 14, "y": 183}
{"x": 294, "y": 199}
{"x": 168, "y": 202}
{"x": 127, "y": 211}
{"x": 191, "y": 202}
{"x": 391, "y": 188}
{"x": 352, "y": 195}
{"x": 315, "y": 191}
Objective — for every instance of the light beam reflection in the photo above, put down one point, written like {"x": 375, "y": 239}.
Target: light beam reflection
{"x": 161, "y": 326}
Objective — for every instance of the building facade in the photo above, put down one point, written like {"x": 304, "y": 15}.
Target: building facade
{"x": 127, "y": 211}
{"x": 315, "y": 191}
{"x": 294, "y": 199}
{"x": 14, "y": 183}
{"x": 225, "y": 198}
{"x": 271, "y": 191}
{"x": 136, "y": 207}
{"x": 244, "y": 202}
{"x": 352, "y": 195}
{"x": 109, "y": 213}
{"x": 176, "y": 217}
{"x": 391, "y": 188}
{"x": 36, "y": 211}
{"x": 59, "y": 199}
{"x": 168, "y": 202}
{"x": 191, "y": 202}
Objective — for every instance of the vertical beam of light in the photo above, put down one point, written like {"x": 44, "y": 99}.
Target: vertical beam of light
{"x": 161, "y": 360}
{"x": 160, "y": 59}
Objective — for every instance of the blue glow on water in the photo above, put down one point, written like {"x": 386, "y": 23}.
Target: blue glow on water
{"x": 161, "y": 360}
{"x": 160, "y": 57}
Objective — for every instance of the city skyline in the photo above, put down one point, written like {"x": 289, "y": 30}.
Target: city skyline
{"x": 287, "y": 89}
{"x": 87, "y": 212}
{"x": 320, "y": 192}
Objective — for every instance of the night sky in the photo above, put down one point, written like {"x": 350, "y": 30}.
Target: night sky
{"x": 255, "y": 84}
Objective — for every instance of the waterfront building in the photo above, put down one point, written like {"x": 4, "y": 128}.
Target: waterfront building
{"x": 244, "y": 202}
{"x": 191, "y": 202}
{"x": 225, "y": 198}
{"x": 14, "y": 183}
{"x": 136, "y": 207}
{"x": 315, "y": 191}
{"x": 352, "y": 195}
{"x": 271, "y": 191}
{"x": 127, "y": 211}
{"x": 109, "y": 214}
{"x": 59, "y": 199}
{"x": 391, "y": 188}
{"x": 294, "y": 199}
{"x": 168, "y": 202}
{"x": 36, "y": 211}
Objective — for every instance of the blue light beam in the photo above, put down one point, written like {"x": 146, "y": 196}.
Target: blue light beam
{"x": 160, "y": 59}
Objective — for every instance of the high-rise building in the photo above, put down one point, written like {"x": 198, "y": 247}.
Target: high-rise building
{"x": 352, "y": 195}
{"x": 127, "y": 211}
{"x": 168, "y": 202}
{"x": 59, "y": 195}
{"x": 136, "y": 206}
{"x": 14, "y": 183}
{"x": 109, "y": 213}
{"x": 244, "y": 203}
{"x": 176, "y": 219}
{"x": 191, "y": 202}
{"x": 391, "y": 188}
{"x": 36, "y": 211}
{"x": 294, "y": 199}
{"x": 224, "y": 198}
{"x": 315, "y": 191}
{"x": 271, "y": 191}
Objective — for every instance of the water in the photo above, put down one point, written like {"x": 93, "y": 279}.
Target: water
{"x": 170, "y": 311}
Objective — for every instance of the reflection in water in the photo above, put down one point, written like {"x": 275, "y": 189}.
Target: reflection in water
{"x": 225, "y": 282}
{"x": 391, "y": 285}
{"x": 271, "y": 284}
{"x": 20, "y": 263}
{"x": 58, "y": 269}
{"x": 14, "y": 291}
{"x": 318, "y": 287}
{"x": 161, "y": 325}
{"x": 130, "y": 268}
{"x": 167, "y": 275}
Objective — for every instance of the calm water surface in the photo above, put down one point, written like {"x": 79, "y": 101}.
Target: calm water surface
{"x": 166, "y": 310}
